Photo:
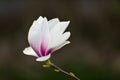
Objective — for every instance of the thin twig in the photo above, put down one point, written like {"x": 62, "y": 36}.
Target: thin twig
{"x": 61, "y": 70}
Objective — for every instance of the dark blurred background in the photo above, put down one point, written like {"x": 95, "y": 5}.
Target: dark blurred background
{"x": 94, "y": 52}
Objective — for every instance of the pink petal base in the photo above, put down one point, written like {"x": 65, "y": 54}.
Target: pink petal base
{"x": 43, "y": 48}
{"x": 43, "y": 58}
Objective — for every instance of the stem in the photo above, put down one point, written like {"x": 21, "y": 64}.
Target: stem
{"x": 61, "y": 70}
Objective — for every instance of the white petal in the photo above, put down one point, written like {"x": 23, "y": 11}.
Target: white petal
{"x": 61, "y": 40}
{"x": 39, "y": 19}
{"x": 60, "y": 27}
{"x": 64, "y": 25}
{"x": 34, "y": 34}
{"x": 57, "y": 31}
{"x": 44, "y": 58}
{"x": 63, "y": 44}
{"x": 29, "y": 51}
{"x": 52, "y": 23}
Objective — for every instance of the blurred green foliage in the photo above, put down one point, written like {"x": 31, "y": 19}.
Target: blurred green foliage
{"x": 84, "y": 72}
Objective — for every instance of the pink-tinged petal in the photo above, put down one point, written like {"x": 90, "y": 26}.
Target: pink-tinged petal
{"x": 38, "y": 32}
{"x": 49, "y": 51}
{"x": 29, "y": 51}
{"x": 43, "y": 48}
{"x": 60, "y": 46}
{"x": 34, "y": 35}
{"x": 43, "y": 58}
{"x": 45, "y": 39}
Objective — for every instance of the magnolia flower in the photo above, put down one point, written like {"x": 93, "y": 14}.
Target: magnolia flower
{"x": 45, "y": 37}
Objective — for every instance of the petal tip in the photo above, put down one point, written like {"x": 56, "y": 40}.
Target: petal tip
{"x": 29, "y": 51}
{"x": 67, "y": 34}
{"x": 68, "y": 21}
{"x": 68, "y": 42}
